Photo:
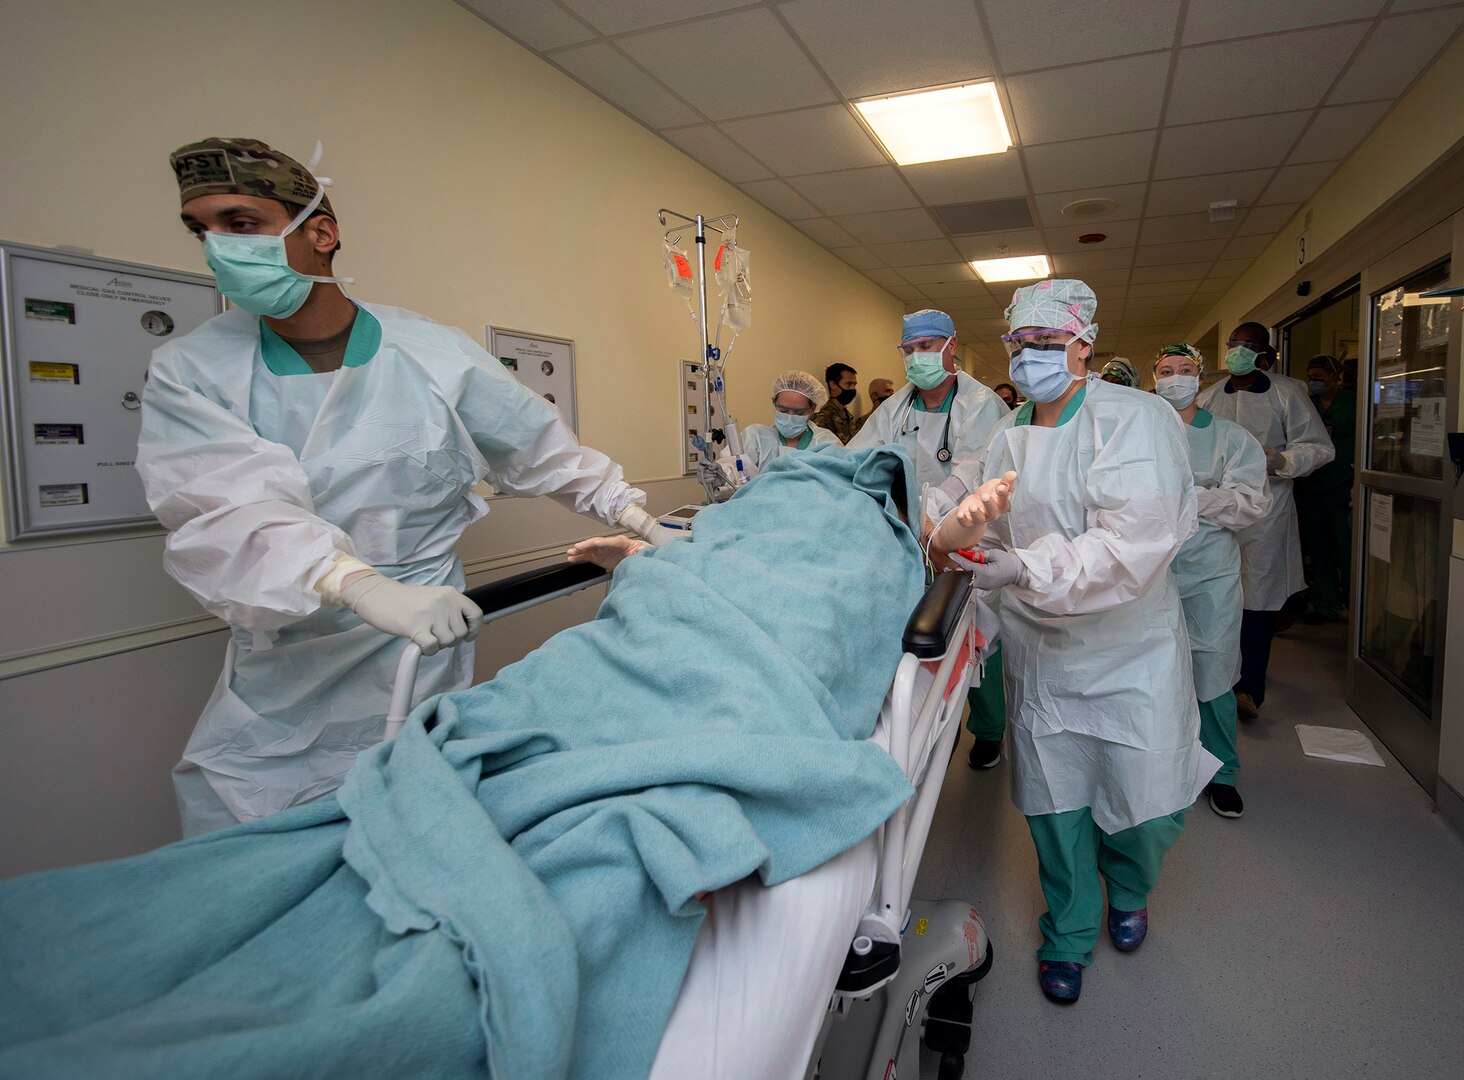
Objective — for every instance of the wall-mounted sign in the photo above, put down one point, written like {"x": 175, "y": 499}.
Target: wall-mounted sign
{"x": 78, "y": 335}
{"x": 544, "y": 364}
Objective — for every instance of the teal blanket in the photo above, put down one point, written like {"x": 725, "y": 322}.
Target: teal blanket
{"x": 508, "y": 889}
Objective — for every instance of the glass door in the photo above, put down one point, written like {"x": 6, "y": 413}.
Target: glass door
{"x": 1395, "y": 681}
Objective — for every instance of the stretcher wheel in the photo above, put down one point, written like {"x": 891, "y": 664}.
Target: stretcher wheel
{"x": 952, "y": 1067}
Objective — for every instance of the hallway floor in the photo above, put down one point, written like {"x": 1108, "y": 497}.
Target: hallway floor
{"x": 1320, "y": 935}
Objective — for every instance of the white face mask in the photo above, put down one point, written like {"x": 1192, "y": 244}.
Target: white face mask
{"x": 1178, "y": 390}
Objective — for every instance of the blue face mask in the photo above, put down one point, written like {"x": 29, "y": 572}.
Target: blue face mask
{"x": 254, "y": 272}
{"x": 1041, "y": 372}
{"x": 790, "y": 427}
{"x": 1316, "y": 387}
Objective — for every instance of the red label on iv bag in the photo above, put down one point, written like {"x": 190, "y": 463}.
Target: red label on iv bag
{"x": 717, "y": 262}
{"x": 683, "y": 267}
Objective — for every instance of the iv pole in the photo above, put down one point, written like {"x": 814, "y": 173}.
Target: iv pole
{"x": 711, "y": 356}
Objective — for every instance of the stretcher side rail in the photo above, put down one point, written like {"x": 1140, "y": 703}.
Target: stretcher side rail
{"x": 497, "y": 599}
{"x": 937, "y": 631}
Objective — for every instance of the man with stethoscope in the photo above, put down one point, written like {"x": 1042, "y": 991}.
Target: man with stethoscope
{"x": 941, "y": 415}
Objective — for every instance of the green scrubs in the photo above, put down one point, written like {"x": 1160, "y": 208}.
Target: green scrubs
{"x": 987, "y": 717}
{"x": 1075, "y": 858}
{"x": 1324, "y": 510}
{"x": 1217, "y": 735}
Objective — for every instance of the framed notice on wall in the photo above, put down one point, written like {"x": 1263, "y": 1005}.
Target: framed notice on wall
{"x": 78, "y": 333}
{"x": 544, "y": 364}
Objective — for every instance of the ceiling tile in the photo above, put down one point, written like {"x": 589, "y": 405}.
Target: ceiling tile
{"x": 782, "y": 200}
{"x": 891, "y": 226}
{"x": 916, "y": 252}
{"x": 1267, "y": 219}
{"x": 909, "y": 292}
{"x": 1065, "y": 237}
{"x": 618, "y": 16}
{"x": 1246, "y": 247}
{"x": 765, "y": 72}
{"x": 1289, "y": 71}
{"x": 1398, "y": 50}
{"x": 1104, "y": 280}
{"x": 1085, "y": 163}
{"x": 946, "y": 289}
{"x": 1228, "y": 267}
{"x": 1146, "y": 275}
{"x": 1216, "y": 20}
{"x": 1088, "y": 99}
{"x": 990, "y": 176}
{"x": 1220, "y": 146}
{"x": 1128, "y": 200}
{"x": 887, "y": 278}
{"x": 829, "y": 235}
{"x": 1414, "y": 5}
{"x": 539, "y": 26}
{"x": 1183, "y": 289}
{"x": 1337, "y": 130}
{"x": 807, "y": 141}
{"x": 997, "y": 245}
{"x": 717, "y": 152}
{"x": 860, "y": 258}
{"x": 852, "y": 39}
{"x": 1179, "y": 228}
{"x": 941, "y": 272}
{"x": 1025, "y": 40}
{"x": 1297, "y": 183}
{"x": 1197, "y": 251}
{"x": 1079, "y": 262}
{"x": 1196, "y": 193}
{"x": 858, "y": 191}
{"x": 615, "y": 78}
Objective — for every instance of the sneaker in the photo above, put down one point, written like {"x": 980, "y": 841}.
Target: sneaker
{"x": 984, "y": 753}
{"x": 1128, "y": 929}
{"x": 1246, "y": 706}
{"x": 1225, "y": 800}
{"x": 1062, "y": 980}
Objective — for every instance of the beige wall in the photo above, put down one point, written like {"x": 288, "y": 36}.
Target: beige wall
{"x": 474, "y": 183}
{"x": 1419, "y": 130}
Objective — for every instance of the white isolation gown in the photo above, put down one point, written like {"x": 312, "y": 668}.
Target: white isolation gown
{"x": 763, "y": 445}
{"x": 1229, "y": 471}
{"x": 974, "y": 413}
{"x": 1283, "y": 417}
{"x": 262, "y": 470}
{"x": 1099, "y": 688}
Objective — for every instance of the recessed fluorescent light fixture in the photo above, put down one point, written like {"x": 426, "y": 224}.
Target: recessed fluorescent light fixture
{"x": 1020, "y": 268}
{"x": 937, "y": 125}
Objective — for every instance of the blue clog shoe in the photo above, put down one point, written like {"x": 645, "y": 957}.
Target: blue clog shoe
{"x": 1128, "y": 928}
{"x": 1062, "y": 980}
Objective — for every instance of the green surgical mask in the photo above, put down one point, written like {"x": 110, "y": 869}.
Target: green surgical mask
{"x": 927, "y": 369}
{"x": 1239, "y": 360}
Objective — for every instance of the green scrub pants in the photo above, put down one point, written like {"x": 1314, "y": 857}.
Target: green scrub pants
{"x": 1075, "y": 857}
{"x": 1217, "y": 735}
{"x": 987, "y": 717}
{"x": 1325, "y": 522}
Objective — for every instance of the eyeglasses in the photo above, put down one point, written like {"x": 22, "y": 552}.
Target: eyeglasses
{"x": 1016, "y": 341}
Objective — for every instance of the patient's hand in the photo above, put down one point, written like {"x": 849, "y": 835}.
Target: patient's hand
{"x": 964, "y": 527}
{"x": 606, "y": 552}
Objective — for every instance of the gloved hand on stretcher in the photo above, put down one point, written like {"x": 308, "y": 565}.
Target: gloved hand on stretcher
{"x": 434, "y": 616}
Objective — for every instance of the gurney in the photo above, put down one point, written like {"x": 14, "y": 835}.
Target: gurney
{"x": 511, "y": 887}
{"x": 903, "y": 970}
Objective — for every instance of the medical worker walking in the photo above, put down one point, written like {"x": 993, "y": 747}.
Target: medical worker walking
{"x": 1276, "y": 411}
{"x": 313, "y": 460}
{"x": 797, "y": 395}
{"x": 940, "y": 416}
{"x": 1105, "y": 747}
{"x": 1229, "y": 471}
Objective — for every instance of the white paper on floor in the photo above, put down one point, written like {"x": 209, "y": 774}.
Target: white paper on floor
{"x": 1337, "y": 744}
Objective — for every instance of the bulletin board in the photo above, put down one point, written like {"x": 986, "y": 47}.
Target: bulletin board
{"x": 78, "y": 333}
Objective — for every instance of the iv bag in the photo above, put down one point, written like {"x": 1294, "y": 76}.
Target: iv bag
{"x": 678, "y": 273}
{"x": 735, "y": 279}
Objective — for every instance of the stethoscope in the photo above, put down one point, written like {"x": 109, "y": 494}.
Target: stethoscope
{"x": 943, "y": 455}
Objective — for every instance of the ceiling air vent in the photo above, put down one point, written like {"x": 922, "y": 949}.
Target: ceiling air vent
{"x": 1223, "y": 210}
{"x": 983, "y": 217}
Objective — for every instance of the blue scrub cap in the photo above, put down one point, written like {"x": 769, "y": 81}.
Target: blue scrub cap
{"x": 927, "y": 323}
